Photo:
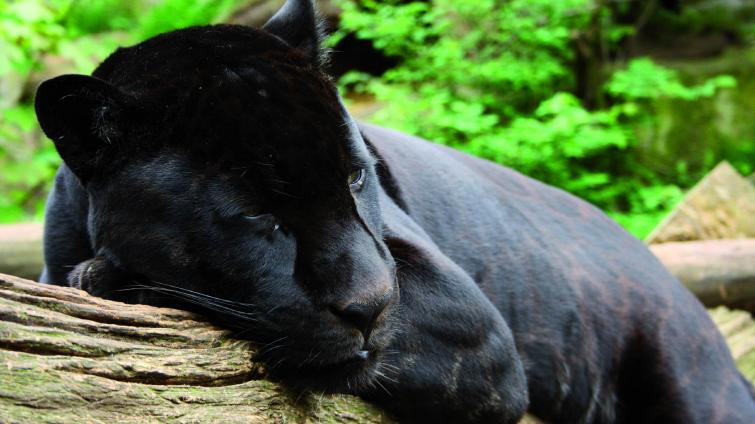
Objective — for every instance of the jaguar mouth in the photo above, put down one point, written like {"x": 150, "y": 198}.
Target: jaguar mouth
{"x": 330, "y": 360}
{"x": 359, "y": 360}
{"x": 346, "y": 374}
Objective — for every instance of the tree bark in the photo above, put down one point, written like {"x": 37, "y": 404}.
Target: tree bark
{"x": 66, "y": 356}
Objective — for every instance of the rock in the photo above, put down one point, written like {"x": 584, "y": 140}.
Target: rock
{"x": 720, "y": 206}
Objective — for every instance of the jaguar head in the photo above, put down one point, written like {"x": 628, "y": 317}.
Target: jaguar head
{"x": 224, "y": 174}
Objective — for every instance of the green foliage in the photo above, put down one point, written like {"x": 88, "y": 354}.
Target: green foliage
{"x": 29, "y": 28}
{"x": 27, "y": 167}
{"x": 167, "y": 15}
{"x": 645, "y": 80}
{"x": 497, "y": 80}
{"x": 97, "y": 16}
{"x": 494, "y": 78}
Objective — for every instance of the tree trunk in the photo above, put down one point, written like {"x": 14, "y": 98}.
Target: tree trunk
{"x": 66, "y": 356}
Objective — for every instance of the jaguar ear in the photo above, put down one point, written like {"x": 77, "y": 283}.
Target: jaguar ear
{"x": 82, "y": 115}
{"x": 298, "y": 24}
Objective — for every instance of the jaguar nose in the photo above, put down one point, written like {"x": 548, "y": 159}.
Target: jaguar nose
{"x": 362, "y": 316}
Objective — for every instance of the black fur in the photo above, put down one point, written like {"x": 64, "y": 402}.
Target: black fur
{"x": 210, "y": 168}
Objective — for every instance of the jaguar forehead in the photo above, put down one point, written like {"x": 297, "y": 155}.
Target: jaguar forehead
{"x": 238, "y": 99}
{"x": 356, "y": 145}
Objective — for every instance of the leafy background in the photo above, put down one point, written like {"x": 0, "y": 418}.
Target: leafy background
{"x": 625, "y": 103}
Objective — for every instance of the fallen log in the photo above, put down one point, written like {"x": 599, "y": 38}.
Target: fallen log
{"x": 66, "y": 356}
{"x": 718, "y": 272}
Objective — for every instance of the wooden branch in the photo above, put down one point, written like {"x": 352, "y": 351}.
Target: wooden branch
{"x": 718, "y": 272}
{"x": 66, "y": 356}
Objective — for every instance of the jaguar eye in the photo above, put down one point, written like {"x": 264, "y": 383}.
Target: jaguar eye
{"x": 253, "y": 212}
{"x": 356, "y": 178}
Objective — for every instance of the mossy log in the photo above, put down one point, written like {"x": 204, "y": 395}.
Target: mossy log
{"x": 66, "y": 356}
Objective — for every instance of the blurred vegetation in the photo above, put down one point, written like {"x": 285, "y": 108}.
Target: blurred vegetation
{"x": 542, "y": 86}
{"x": 559, "y": 89}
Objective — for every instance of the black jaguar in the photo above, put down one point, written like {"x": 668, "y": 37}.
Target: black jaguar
{"x": 216, "y": 168}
